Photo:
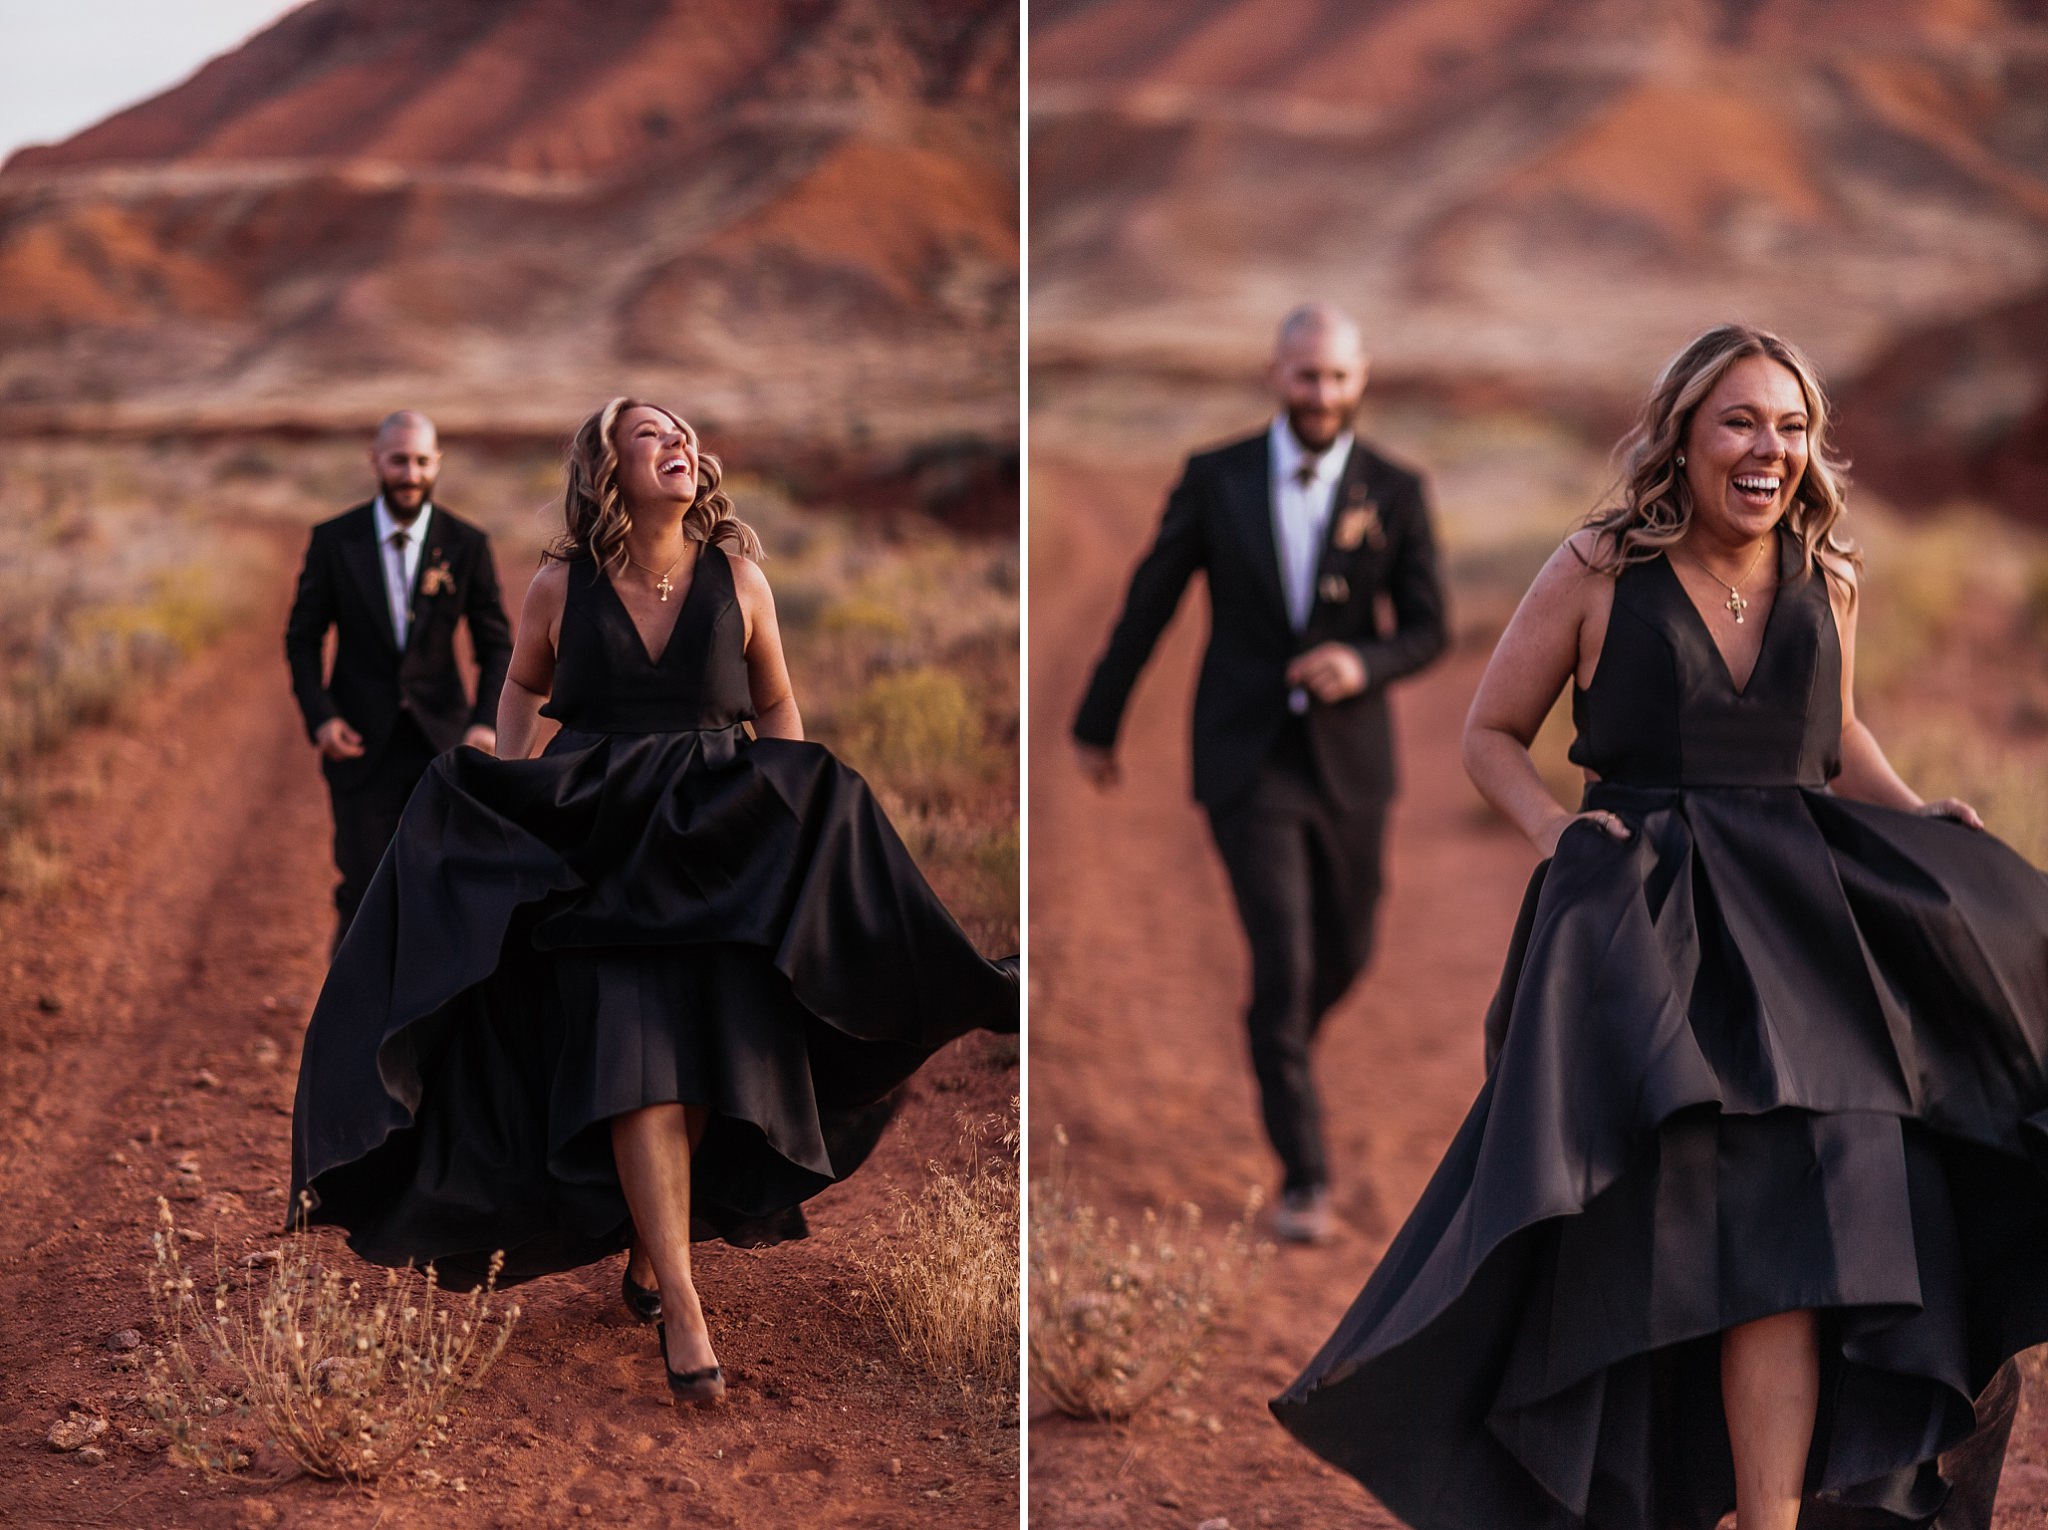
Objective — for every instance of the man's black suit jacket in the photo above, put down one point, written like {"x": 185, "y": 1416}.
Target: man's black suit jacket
{"x": 1219, "y": 520}
{"x": 373, "y": 683}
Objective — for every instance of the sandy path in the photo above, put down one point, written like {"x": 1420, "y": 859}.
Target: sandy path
{"x": 1137, "y": 1043}
{"x": 190, "y": 935}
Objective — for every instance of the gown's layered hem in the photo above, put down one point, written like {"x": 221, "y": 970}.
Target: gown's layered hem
{"x": 631, "y": 919}
{"x": 1690, "y": 1124}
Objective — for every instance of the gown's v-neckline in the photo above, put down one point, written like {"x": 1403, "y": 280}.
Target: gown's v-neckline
{"x": 682, "y": 606}
{"x": 1707, "y": 632}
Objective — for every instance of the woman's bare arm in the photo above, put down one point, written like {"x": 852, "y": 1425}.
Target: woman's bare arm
{"x": 1534, "y": 659}
{"x": 1866, "y": 775}
{"x": 775, "y": 712}
{"x": 531, "y": 675}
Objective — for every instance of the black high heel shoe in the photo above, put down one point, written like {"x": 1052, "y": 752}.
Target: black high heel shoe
{"x": 699, "y": 1388}
{"x": 644, "y": 1302}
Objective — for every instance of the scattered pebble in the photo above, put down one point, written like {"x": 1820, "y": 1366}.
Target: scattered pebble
{"x": 184, "y": 1163}
{"x": 124, "y": 1338}
{"x": 270, "y": 1003}
{"x": 49, "y": 1004}
{"x": 75, "y": 1430}
{"x": 1218, "y": 1523}
{"x": 206, "y": 1078}
{"x": 118, "y": 1158}
{"x": 91, "y": 1455}
{"x": 895, "y": 1467}
{"x": 584, "y": 1511}
{"x": 262, "y": 1257}
{"x": 1169, "y": 1501}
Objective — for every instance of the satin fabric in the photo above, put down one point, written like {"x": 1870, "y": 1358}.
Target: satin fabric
{"x": 1777, "y": 1050}
{"x": 637, "y": 916}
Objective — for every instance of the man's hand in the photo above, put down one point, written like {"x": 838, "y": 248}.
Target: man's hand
{"x": 338, "y": 741}
{"x": 1098, "y": 764}
{"x": 1328, "y": 671}
{"x": 480, "y": 737}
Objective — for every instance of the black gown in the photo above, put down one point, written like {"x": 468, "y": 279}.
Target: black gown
{"x": 658, "y": 908}
{"x": 1778, "y": 1050}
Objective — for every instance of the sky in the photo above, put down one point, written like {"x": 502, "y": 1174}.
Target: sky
{"x": 66, "y": 64}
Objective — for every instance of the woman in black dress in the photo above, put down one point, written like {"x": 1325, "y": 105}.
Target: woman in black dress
{"x": 664, "y": 975}
{"x": 1748, "y": 1211}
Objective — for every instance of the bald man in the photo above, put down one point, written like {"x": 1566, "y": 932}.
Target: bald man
{"x": 393, "y": 578}
{"x": 1304, "y": 533}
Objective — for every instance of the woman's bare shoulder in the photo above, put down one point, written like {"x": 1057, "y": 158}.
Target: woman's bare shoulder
{"x": 747, "y": 576}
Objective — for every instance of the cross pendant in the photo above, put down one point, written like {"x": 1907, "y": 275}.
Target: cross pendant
{"x": 662, "y": 587}
{"x": 1735, "y": 603}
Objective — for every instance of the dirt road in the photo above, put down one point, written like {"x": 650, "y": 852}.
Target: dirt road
{"x": 1137, "y": 1044}
{"x": 151, "y": 1007}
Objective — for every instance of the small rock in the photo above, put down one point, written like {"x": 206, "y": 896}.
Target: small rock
{"x": 206, "y": 1078}
{"x": 118, "y": 1159}
{"x": 1168, "y": 1501}
{"x": 262, "y": 1257}
{"x": 91, "y": 1455}
{"x": 74, "y": 1430}
{"x": 426, "y": 1476}
{"x": 49, "y": 1004}
{"x": 124, "y": 1338}
{"x": 895, "y": 1466}
{"x": 127, "y": 1362}
{"x": 270, "y": 1003}
{"x": 184, "y": 1163}
{"x": 1218, "y": 1523}
{"x": 584, "y": 1511}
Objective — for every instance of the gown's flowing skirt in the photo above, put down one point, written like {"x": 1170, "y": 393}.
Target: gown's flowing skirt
{"x": 1778, "y": 1050}
{"x": 630, "y": 919}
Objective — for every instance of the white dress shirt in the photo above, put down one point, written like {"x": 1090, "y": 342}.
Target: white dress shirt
{"x": 1301, "y": 512}
{"x": 401, "y": 568}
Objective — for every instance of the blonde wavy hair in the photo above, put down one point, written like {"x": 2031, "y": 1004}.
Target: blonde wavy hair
{"x": 594, "y": 517}
{"x": 1652, "y": 503}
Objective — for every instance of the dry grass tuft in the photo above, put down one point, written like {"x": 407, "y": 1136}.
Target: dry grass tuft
{"x": 947, "y": 1284}
{"x": 345, "y": 1384}
{"x": 1120, "y": 1316}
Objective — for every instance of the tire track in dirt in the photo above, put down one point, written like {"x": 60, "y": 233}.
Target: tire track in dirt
{"x": 152, "y": 1006}
{"x": 1138, "y": 1049}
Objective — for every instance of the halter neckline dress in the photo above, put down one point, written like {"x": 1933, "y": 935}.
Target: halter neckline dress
{"x": 1777, "y": 1050}
{"x": 659, "y": 908}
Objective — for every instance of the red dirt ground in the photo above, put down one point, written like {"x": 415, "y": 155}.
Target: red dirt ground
{"x": 189, "y": 934}
{"x": 1137, "y": 1044}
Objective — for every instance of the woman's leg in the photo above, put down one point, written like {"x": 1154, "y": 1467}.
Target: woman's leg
{"x": 638, "y": 1265}
{"x": 1770, "y": 1387}
{"x": 652, "y": 1149}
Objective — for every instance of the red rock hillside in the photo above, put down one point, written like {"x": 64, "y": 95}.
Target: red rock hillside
{"x": 1546, "y": 195}
{"x": 795, "y": 218}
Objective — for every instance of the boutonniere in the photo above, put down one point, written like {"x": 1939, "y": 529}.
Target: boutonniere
{"x": 1358, "y": 524}
{"x": 439, "y": 577}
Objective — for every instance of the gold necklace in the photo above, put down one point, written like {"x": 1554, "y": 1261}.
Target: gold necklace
{"x": 661, "y": 584}
{"x": 1736, "y": 602}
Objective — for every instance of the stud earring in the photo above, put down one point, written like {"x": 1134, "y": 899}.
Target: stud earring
{"x": 1681, "y": 459}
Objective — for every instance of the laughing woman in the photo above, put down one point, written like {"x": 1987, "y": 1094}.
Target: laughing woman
{"x": 1750, "y": 1209}
{"x": 664, "y": 975}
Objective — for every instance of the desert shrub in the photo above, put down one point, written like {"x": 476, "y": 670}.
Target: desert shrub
{"x": 918, "y": 731}
{"x": 1121, "y": 1315}
{"x": 946, "y": 1283}
{"x": 346, "y": 1384}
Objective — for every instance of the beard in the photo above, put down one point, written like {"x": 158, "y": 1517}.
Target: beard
{"x": 404, "y": 500}
{"x": 1318, "y": 429}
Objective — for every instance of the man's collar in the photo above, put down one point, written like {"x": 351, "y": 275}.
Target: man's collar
{"x": 386, "y": 523}
{"x": 1289, "y": 453}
